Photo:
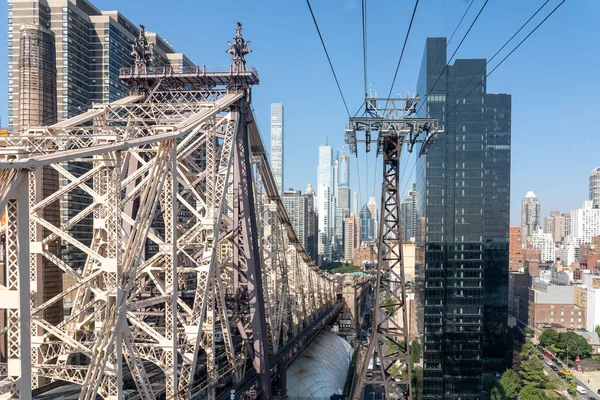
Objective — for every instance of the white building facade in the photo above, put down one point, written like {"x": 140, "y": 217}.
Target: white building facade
{"x": 277, "y": 144}
{"x": 544, "y": 242}
{"x": 585, "y": 222}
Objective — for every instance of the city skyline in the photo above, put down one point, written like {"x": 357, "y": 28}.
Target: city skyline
{"x": 519, "y": 75}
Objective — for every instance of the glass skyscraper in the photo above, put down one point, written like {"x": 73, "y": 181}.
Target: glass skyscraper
{"x": 463, "y": 189}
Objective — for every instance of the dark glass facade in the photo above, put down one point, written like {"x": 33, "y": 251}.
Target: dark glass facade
{"x": 463, "y": 186}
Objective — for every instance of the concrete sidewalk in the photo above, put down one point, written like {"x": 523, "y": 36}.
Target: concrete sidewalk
{"x": 590, "y": 380}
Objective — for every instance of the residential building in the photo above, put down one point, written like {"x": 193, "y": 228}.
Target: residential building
{"x": 585, "y": 222}
{"x": 326, "y": 201}
{"x": 37, "y": 106}
{"x": 555, "y": 225}
{"x": 550, "y": 304}
{"x": 408, "y": 212}
{"x": 296, "y": 206}
{"x": 463, "y": 190}
{"x": 367, "y": 224}
{"x": 595, "y": 186}
{"x": 343, "y": 198}
{"x": 365, "y": 254}
{"x": 351, "y": 236}
{"x": 277, "y": 144}
{"x": 531, "y": 212}
{"x": 312, "y": 222}
{"x": 515, "y": 257}
{"x": 91, "y": 46}
{"x": 326, "y": 224}
{"x": 544, "y": 242}
{"x": 344, "y": 171}
{"x": 587, "y": 296}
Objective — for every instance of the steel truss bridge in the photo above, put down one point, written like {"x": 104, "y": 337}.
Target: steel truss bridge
{"x": 188, "y": 230}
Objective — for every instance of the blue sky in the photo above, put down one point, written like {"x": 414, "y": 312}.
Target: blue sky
{"x": 553, "y": 77}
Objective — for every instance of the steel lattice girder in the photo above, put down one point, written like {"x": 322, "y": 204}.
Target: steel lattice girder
{"x": 160, "y": 184}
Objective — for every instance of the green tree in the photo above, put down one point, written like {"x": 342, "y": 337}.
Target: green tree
{"x": 574, "y": 343}
{"x": 415, "y": 352}
{"x": 529, "y": 392}
{"x": 572, "y": 386}
{"x": 511, "y": 383}
{"x": 554, "y": 382}
{"x": 388, "y": 304}
{"x": 598, "y": 329}
{"x": 532, "y": 372}
{"x": 529, "y": 331}
{"x": 497, "y": 393}
{"x": 417, "y": 383}
{"x": 548, "y": 337}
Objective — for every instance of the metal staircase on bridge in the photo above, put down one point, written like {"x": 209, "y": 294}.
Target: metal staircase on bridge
{"x": 190, "y": 241}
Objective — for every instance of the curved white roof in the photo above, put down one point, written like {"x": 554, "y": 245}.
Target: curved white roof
{"x": 596, "y": 171}
{"x": 530, "y": 194}
{"x": 321, "y": 369}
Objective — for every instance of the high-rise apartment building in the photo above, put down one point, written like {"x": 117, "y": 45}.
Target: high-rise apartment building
{"x": 277, "y": 144}
{"x": 37, "y": 106}
{"x": 326, "y": 201}
{"x": 531, "y": 213}
{"x": 595, "y": 186}
{"x": 344, "y": 171}
{"x": 351, "y": 236}
{"x": 367, "y": 224}
{"x": 311, "y": 224}
{"x": 463, "y": 190}
{"x": 355, "y": 204}
{"x": 585, "y": 222}
{"x": 554, "y": 224}
{"x": 296, "y": 206}
{"x": 91, "y": 46}
{"x": 515, "y": 258}
{"x": 544, "y": 242}
{"x": 408, "y": 212}
{"x": 326, "y": 221}
{"x": 343, "y": 198}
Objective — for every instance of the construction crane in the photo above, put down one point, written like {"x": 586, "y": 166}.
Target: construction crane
{"x": 395, "y": 123}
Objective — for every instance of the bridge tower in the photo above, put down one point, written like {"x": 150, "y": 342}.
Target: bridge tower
{"x": 195, "y": 283}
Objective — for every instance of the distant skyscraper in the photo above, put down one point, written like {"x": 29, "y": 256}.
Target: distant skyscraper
{"x": 595, "y": 186}
{"x": 326, "y": 217}
{"x": 585, "y": 222}
{"x": 351, "y": 236}
{"x": 355, "y": 204}
{"x": 326, "y": 201}
{"x": 325, "y": 169}
{"x": 367, "y": 224}
{"x": 345, "y": 171}
{"x": 296, "y": 206}
{"x": 277, "y": 144}
{"x": 555, "y": 225}
{"x": 311, "y": 225}
{"x": 336, "y": 175}
{"x": 531, "y": 212}
{"x": 408, "y": 211}
{"x": 343, "y": 198}
{"x": 463, "y": 189}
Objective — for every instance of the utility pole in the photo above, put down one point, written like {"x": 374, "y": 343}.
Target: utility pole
{"x": 395, "y": 122}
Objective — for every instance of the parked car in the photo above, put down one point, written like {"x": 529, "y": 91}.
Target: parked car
{"x": 566, "y": 372}
{"x": 581, "y": 390}
{"x": 554, "y": 368}
{"x": 560, "y": 374}
{"x": 541, "y": 357}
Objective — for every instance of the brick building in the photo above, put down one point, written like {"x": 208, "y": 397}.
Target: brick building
{"x": 515, "y": 257}
{"x": 549, "y": 304}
